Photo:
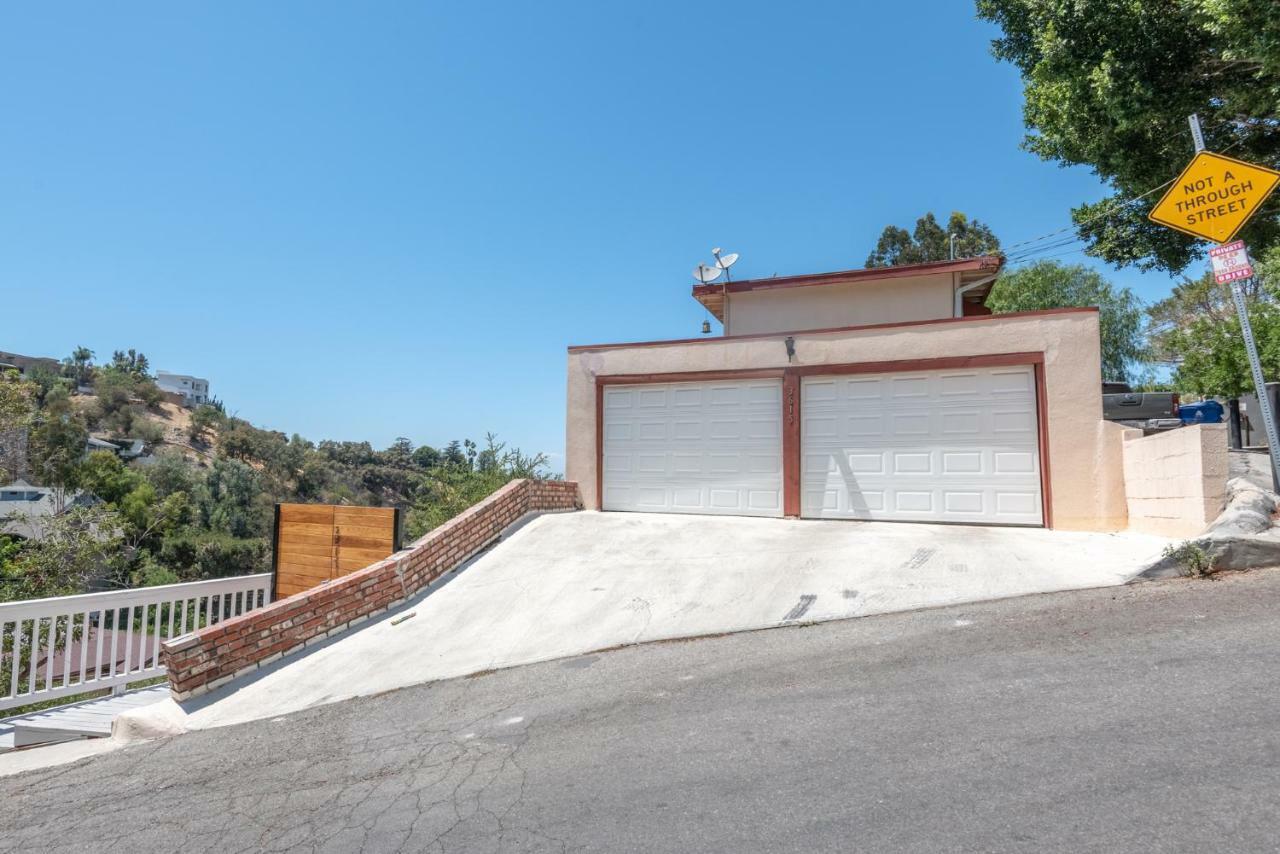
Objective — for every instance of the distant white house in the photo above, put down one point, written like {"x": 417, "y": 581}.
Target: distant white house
{"x": 194, "y": 390}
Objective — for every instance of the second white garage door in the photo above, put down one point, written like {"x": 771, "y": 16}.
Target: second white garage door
{"x": 932, "y": 446}
{"x": 701, "y": 447}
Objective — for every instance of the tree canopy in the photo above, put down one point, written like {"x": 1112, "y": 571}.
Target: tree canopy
{"x": 931, "y": 242}
{"x": 1196, "y": 328}
{"x": 1051, "y": 284}
{"x": 1109, "y": 84}
{"x": 201, "y": 505}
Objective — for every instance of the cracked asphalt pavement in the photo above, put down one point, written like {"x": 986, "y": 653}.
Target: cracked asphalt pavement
{"x": 1128, "y": 719}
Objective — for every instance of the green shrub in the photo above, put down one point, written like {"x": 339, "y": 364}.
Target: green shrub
{"x": 1192, "y": 560}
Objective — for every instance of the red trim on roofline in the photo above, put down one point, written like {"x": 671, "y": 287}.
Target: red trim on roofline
{"x": 584, "y": 348}
{"x": 982, "y": 262}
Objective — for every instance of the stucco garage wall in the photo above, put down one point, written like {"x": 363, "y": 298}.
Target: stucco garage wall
{"x": 1085, "y": 482}
{"x": 857, "y": 303}
{"x": 1176, "y": 481}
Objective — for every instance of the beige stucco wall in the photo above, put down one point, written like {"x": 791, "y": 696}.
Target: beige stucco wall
{"x": 1085, "y": 471}
{"x": 854, "y": 304}
{"x": 1176, "y": 481}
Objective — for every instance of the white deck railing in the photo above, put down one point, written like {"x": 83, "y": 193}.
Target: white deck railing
{"x": 66, "y": 645}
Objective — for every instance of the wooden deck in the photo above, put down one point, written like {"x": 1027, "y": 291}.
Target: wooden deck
{"x": 88, "y": 719}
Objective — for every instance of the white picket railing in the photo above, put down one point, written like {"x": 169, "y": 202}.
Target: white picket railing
{"x": 66, "y": 645}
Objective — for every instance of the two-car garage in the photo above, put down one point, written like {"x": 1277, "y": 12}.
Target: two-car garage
{"x": 948, "y": 445}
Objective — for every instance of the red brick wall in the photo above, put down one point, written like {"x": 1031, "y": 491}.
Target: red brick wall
{"x": 211, "y": 657}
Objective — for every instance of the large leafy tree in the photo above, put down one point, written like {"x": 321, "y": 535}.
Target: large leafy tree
{"x": 17, "y": 409}
{"x": 1109, "y": 84}
{"x": 1051, "y": 284}
{"x": 932, "y": 242}
{"x": 58, "y": 443}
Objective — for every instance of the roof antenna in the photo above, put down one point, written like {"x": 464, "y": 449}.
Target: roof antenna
{"x": 706, "y": 274}
{"x": 725, "y": 262}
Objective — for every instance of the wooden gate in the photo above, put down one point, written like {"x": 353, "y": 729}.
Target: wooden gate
{"x": 315, "y": 543}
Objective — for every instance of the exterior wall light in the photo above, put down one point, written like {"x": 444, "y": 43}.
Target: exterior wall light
{"x": 791, "y": 347}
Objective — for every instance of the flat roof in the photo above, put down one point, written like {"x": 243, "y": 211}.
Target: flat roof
{"x": 712, "y": 296}
{"x": 720, "y": 339}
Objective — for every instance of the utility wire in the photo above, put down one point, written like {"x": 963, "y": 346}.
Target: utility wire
{"x": 1116, "y": 207}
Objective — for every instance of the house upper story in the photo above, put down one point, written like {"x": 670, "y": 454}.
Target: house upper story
{"x": 916, "y": 292}
{"x": 24, "y": 364}
{"x": 194, "y": 390}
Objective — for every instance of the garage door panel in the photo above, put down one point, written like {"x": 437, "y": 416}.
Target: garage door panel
{"x": 695, "y": 448}
{"x": 925, "y": 446}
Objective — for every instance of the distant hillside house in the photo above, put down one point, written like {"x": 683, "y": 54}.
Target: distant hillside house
{"x": 24, "y": 364}
{"x": 24, "y": 508}
{"x": 95, "y": 444}
{"x": 194, "y": 390}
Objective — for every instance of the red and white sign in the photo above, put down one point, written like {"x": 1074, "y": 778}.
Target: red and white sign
{"x": 1230, "y": 262}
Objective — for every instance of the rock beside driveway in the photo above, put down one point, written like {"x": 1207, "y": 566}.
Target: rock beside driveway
{"x": 1245, "y": 536}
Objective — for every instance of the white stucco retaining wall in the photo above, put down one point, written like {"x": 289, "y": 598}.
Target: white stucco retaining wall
{"x": 1176, "y": 482}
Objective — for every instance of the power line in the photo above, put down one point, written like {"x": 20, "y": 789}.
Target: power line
{"x": 1116, "y": 207}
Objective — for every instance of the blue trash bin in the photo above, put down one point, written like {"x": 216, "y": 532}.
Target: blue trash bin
{"x": 1204, "y": 412}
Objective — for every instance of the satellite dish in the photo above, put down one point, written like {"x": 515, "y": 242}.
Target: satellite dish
{"x": 727, "y": 261}
{"x": 706, "y": 274}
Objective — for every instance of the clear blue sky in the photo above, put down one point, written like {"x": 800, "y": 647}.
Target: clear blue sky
{"x": 363, "y": 221}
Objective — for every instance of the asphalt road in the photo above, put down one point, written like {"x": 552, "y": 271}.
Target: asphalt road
{"x": 1130, "y": 719}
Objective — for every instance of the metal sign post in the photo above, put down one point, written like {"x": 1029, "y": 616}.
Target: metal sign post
{"x": 1259, "y": 384}
{"x": 1212, "y": 199}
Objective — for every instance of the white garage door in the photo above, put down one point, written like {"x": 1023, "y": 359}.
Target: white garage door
{"x": 936, "y": 446}
{"x": 704, "y": 447}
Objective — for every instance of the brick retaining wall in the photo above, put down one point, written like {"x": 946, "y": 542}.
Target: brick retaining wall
{"x": 213, "y": 656}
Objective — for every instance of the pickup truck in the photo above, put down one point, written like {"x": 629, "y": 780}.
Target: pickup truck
{"x": 1151, "y": 410}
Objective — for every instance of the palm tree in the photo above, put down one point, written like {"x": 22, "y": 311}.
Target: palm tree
{"x": 81, "y": 364}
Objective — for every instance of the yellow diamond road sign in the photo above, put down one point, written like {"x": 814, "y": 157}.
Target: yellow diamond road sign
{"x": 1215, "y": 196}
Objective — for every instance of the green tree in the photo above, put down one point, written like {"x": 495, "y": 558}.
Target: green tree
{"x": 104, "y": 475}
{"x": 453, "y": 454}
{"x": 234, "y": 501}
{"x": 931, "y": 242}
{"x": 1196, "y": 328}
{"x": 45, "y": 380}
{"x": 170, "y": 472}
{"x": 17, "y": 401}
{"x": 130, "y": 362}
{"x": 1050, "y": 284}
{"x": 449, "y": 489}
{"x": 1109, "y": 84}
{"x": 204, "y": 421}
{"x": 426, "y": 457}
{"x": 73, "y": 548}
{"x": 79, "y": 366}
{"x": 17, "y": 411}
{"x": 58, "y": 442}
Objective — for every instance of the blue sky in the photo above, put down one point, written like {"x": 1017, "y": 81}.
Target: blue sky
{"x": 364, "y": 221}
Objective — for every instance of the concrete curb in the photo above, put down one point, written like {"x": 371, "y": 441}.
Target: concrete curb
{"x": 1243, "y": 537}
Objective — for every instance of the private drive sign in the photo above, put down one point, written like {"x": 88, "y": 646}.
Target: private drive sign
{"x": 1230, "y": 262}
{"x": 1215, "y": 196}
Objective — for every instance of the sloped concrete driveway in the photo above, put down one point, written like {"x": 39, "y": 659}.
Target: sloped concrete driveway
{"x": 566, "y": 584}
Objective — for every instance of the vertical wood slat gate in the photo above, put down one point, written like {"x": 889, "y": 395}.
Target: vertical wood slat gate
{"x": 315, "y": 543}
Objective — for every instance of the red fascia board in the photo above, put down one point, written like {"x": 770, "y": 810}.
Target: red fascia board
{"x": 981, "y": 318}
{"x": 871, "y": 274}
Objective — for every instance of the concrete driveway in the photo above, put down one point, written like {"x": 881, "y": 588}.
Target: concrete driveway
{"x": 566, "y": 584}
